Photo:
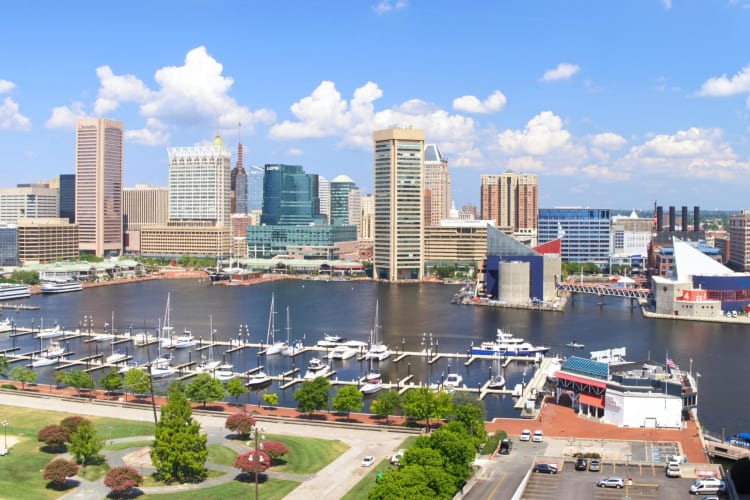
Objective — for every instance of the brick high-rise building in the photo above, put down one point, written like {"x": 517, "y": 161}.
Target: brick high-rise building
{"x": 511, "y": 200}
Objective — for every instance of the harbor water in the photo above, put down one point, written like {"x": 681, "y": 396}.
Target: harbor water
{"x": 412, "y": 317}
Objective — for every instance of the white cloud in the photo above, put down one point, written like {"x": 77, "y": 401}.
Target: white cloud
{"x": 470, "y": 104}
{"x": 563, "y": 71}
{"x": 10, "y": 118}
{"x": 114, "y": 89}
{"x": 385, "y": 6}
{"x": 692, "y": 142}
{"x": 604, "y": 173}
{"x": 723, "y": 86}
{"x": 667, "y": 4}
{"x": 6, "y": 86}
{"x": 65, "y": 117}
{"x": 295, "y": 152}
{"x": 543, "y": 133}
{"x": 153, "y": 134}
{"x": 608, "y": 140}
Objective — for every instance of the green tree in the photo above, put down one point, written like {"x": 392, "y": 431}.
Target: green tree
{"x": 4, "y": 366}
{"x": 347, "y": 399}
{"x": 457, "y": 449}
{"x": 386, "y": 403}
{"x": 23, "y": 375}
{"x": 424, "y": 404}
{"x": 85, "y": 445}
{"x": 25, "y": 277}
{"x": 236, "y": 388}
{"x": 471, "y": 418}
{"x": 70, "y": 425}
{"x": 111, "y": 380}
{"x": 179, "y": 452}
{"x": 416, "y": 482}
{"x": 78, "y": 379}
{"x": 312, "y": 395}
{"x": 204, "y": 388}
{"x": 271, "y": 399}
{"x": 136, "y": 381}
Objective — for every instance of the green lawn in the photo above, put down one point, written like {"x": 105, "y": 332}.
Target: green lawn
{"x": 221, "y": 455}
{"x": 129, "y": 444}
{"x": 270, "y": 490}
{"x": 307, "y": 455}
{"x": 362, "y": 488}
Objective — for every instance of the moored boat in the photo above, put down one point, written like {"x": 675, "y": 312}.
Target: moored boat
{"x": 10, "y": 291}
{"x": 258, "y": 379}
{"x": 62, "y": 286}
{"x": 371, "y": 386}
{"x": 316, "y": 368}
{"x": 496, "y": 382}
{"x": 342, "y": 352}
{"x": 453, "y": 380}
{"x": 505, "y": 344}
{"x": 273, "y": 346}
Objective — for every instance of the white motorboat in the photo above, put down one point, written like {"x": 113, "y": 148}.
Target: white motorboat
{"x": 223, "y": 374}
{"x": 273, "y": 346}
{"x": 48, "y": 356}
{"x": 342, "y": 352}
{"x": 162, "y": 368}
{"x": 41, "y": 360}
{"x": 505, "y": 344}
{"x": 6, "y": 324}
{"x": 143, "y": 338}
{"x": 378, "y": 351}
{"x": 50, "y": 333}
{"x": 371, "y": 386}
{"x": 258, "y": 379}
{"x": 373, "y": 374}
{"x": 317, "y": 368}
{"x": 103, "y": 337}
{"x": 130, "y": 365}
{"x": 496, "y": 382}
{"x": 453, "y": 380}
{"x": 184, "y": 340}
{"x": 116, "y": 356}
{"x": 357, "y": 344}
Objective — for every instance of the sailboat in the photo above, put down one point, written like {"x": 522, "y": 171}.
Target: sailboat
{"x": 48, "y": 356}
{"x": 209, "y": 365}
{"x": 274, "y": 347}
{"x": 167, "y": 331}
{"x": 292, "y": 347}
{"x": 497, "y": 381}
{"x": 143, "y": 338}
{"x": 107, "y": 337}
{"x": 378, "y": 350}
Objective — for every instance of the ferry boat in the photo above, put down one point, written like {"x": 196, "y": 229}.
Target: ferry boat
{"x": 10, "y": 291}
{"x": 505, "y": 344}
{"x": 61, "y": 286}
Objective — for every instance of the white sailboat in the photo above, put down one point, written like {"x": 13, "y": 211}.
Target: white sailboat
{"x": 209, "y": 365}
{"x": 293, "y": 347}
{"x": 144, "y": 338}
{"x": 378, "y": 350}
{"x": 48, "y": 356}
{"x": 273, "y": 347}
{"x": 342, "y": 352}
{"x": 167, "y": 330}
{"x": 497, "y": 381}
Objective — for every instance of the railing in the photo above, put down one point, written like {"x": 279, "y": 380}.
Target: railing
{"x": 631, "y": 293}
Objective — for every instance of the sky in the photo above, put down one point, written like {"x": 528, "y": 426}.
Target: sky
{"x": 615, "y": 104}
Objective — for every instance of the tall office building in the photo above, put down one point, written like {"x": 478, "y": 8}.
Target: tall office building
{"x": 142, "y": 205}
{"x": 511, "y": 200}
{"x": 199, "y": 185}
{"x": 584, "y": 233}
{"x": 739, "y": 241}
{"x": 255, "y": 188}
{"x": 67, "y": 197}
{"x": 27, "y": 200}
{"x": 239, "y": 186}
{"x": 341, "y": 186}
{"x": 99, "y": 163}
{"x": 289, "y": 195}
{"x": 437, "y": 181}
{"x": 398, "y": 182}
{"x": 367, "y": 224}
{"x": 355, "y": 209}
{"x": 324, "y": 193}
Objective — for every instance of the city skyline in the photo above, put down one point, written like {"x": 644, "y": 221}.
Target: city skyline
{"x": 611, "y": 106}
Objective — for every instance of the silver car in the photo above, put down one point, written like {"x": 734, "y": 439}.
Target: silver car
{"x": 611, "y": 482}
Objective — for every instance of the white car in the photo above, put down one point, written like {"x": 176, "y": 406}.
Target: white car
{"x": 368, "y": 461}
{"x": 538, "y": 436}
{"x": 525, "y": 435}
{"x": 611, "y": 482}
{"x": 396, "y": 458}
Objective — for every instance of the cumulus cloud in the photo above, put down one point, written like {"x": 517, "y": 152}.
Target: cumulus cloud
{"x": 11, "y": 118}
{"x": 608, "y": 140}
{"x": 64, "y": 117}
{"x": 385, "y": 6}
{"x": 6, "y": 86}
{"x": 543, "y": 133}
{"x": 470, "y": 104}
{"x": 295, "y": 152}
{"x": 153, "y": 134}
{"x": 114, "y": 89}
{"x": 723, "y": 86}
{"x": 563, "y": 71}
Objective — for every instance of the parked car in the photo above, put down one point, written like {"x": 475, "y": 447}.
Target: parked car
{"x": 546, "y": 468}
{"x": 525, "y": 435}
{"x": 708, "y": 485}
{"x": 673, "y": 470}
{"x": 396, "y": 458}
{"x": 611, "y": 482}
{"x": 368, "y": 461}
{"x": 538, "y": 436}
{"x": 581, "y": 464}
{"x": 506, "y": 445}
{"x": 595, "y": 465}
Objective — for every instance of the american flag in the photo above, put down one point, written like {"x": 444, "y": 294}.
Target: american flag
{"x": 670, "y": 363}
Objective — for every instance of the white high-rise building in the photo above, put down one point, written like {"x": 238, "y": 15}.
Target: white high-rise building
{"x": 200, "y": 185}
{"x": 437, "y": 181}
{"x": 324, "y": 193}
{"x": 34, "y": 200}
{"x": 367, "y": 221}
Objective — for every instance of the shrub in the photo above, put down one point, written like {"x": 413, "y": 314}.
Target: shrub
{"x": 249, "y": 463}
{"x": 53, "y": 436}
{"x": 9, "y": 387}
{"x": 70, "y": 425}
{"x": 274, "y": 449}
{"x": 122, "y": 479}
{"x": 241, "y": 424}
{"x": 59, "y": 470}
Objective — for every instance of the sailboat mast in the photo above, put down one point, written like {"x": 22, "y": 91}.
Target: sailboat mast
{"x": 288, "y": 327}
{"x": 269, "y": 332}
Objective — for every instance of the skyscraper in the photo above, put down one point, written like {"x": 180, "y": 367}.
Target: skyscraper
{"x": 398, "y": 179}
{"x": 341, "y": 186}
{"x": 288, "y": 197}
{"x": 99, "y": 162}
{"x": 67, "y": 197}
{"x": 437, "y": 181}
{"x": 324, "y": 193}
{"x": 511, "y": 200}
{"x": 199, "y": 185}
{"x": 239, "y": 186}
{"x": 254, "y": 188}
{"x": 27, "y": 200}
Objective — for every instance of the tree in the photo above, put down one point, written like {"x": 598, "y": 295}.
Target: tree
{"x": 386, "y": 403}
{"x": 275, "y": 449}
{"x": 23, "y": 375}
{"x": 414, "y": 481}
{"x": 85, "y": 445}
{"x": 312, "y": 395}
{"x": 347, "y": 399}
{"x": 204, "y": 388}
{"x": 236, "y": 388}
{"x": 424, "y": 404}
{"x": 253, "y": 462}
{"x": 70, "y": 425}
{"x": 53, "y": 436}
{"x": 457, "y": 449}
{"x": 122, "y": 479}
{"x": 4, "y": 366}
{"x": 111, "y": 380}
{"x": 271, "y": 399}
{"x": 137, "y": 381}
{"x": 179, "y": 452}
{"x": 58, "y": 471}
{"x": 471, "y": 418}
{"x": 78, "y": 379}
{"x": 240, "y": 424}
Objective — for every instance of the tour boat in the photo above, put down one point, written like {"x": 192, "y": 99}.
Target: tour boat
{"x": 10, "y": 291}
{"x": 61, "y": 286}
{"x": 317, "y": 368}
{"x": 505, "y": 344}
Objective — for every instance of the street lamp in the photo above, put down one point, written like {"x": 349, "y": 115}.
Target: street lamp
{"x": 4, "y": 423}
{"x": 258, "y": 446}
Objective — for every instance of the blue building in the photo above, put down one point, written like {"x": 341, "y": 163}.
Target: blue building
{"x": 67, "y": 197}
{"x": 8, "y": 245}
{"x": 584, "y": 232}
{"x": 254, "y": 188}
{"x": 290, "y": 196}
{"x": 341, "y": 186}
{"x": 268, "y": 241}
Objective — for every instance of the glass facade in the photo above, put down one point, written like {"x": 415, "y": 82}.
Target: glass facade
{"x": 288, "y": 196}
{"x": 8, "y": 246}
{"x": 68, "y": 197}
{"x": 254, "y": 189}
{"x": 584, "y": 231}
{"x": 267, "y": 241}
{"x": 340, "y": 188}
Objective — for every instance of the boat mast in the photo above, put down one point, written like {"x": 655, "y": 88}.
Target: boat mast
{"x": 288, "y": 328}
{"x": 269, "y": 332}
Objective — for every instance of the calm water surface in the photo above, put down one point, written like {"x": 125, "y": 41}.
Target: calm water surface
{"x": 407, "y": 315}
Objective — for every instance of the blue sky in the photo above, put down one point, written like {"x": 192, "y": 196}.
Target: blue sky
{"x": 612, "y": 104}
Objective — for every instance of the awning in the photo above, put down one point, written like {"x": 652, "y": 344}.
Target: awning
{"x": 580, "y": 380}
{"x": 587, "y": 399}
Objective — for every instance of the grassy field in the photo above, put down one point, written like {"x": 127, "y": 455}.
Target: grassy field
{"x": 307, "y": 455}
{"x": 221, "y": 455}
{"x": 362, "y": 488}
{"x": 269, "y": 490}
{"x": 129, "y": 444}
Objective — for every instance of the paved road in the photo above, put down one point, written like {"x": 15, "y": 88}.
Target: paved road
{"x": 333, "y": 481}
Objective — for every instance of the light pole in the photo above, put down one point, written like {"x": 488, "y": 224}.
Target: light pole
{"x": 4, "y": 423}
{"x": 258, "y": 446}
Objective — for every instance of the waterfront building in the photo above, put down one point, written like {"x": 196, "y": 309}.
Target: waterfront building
{"x": 398, "y": 181}
{"x": 660, "y": 252}
{"x": 99, "y": 163}
{"x": 324, "y": 194}
{"x": 366, "y": 229}
{"x": 175, "y": 239}
{"x": 67, "y": 197}
{"x": 142, "y": 205}
{"x": 238, "y": 186}
{"x": 28, "y": 200}
{"x": 584, "y": 233}
{"x": 8, "y": 245}
{"x": 313, "y": 240}
{"x": 512, "y": 201}
{"x": 456, "y": 242}
{"x": 43, "y": 240}
{"x": 739, "y": 241}
{"x": 630, "y": 237}
{"x": 341, "y": 187}
{"x": 288, "y": 197}
{"x": 255, "y": 188}
{"x": 437, "y": 184}
{"x": 355, "y": 209}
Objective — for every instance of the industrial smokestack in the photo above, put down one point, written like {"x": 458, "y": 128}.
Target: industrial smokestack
{"x": 671, "y": 219}
{"x": 684, "y": 219}
{"x": 696, "y": 219}
{"x": 659, "y": 218}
